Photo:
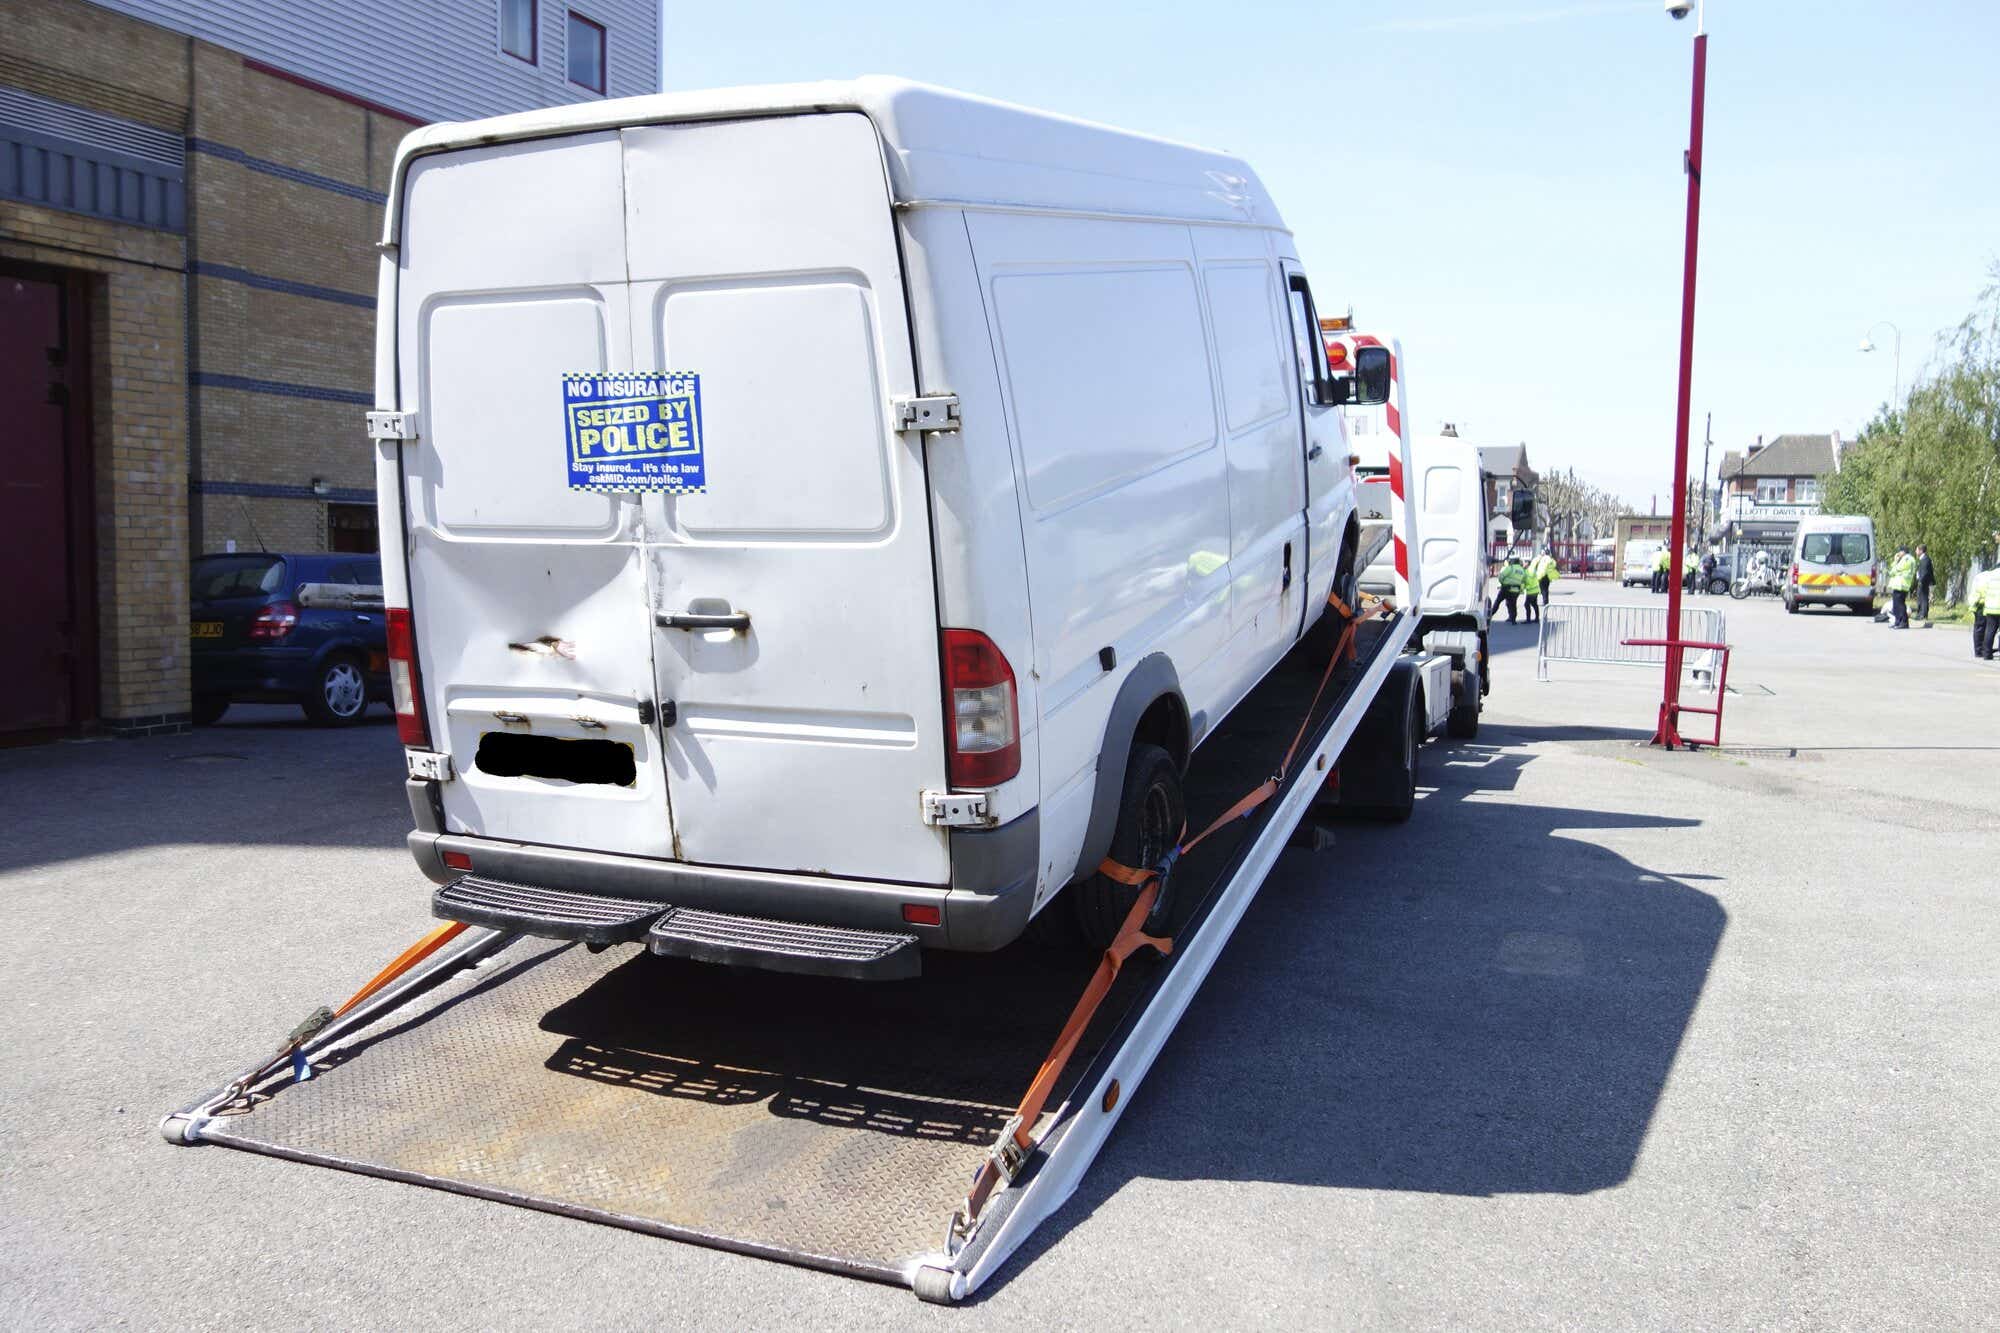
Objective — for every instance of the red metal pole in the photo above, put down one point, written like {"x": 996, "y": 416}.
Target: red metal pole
{"x": 1666, "y": 734}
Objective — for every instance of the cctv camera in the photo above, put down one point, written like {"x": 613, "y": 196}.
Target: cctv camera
{"x": 1679, "y": 8}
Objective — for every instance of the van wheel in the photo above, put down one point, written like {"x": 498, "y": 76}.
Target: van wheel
{"x": 1862, "y": 608}
{"x": 209, "y": 708}
{"x": 1323, "y": 636}
{"x": 339, "y": 694}
{"x": 1152, "y": 811}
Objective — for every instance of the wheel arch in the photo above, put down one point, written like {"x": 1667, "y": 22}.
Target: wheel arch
{"x": 1149, "y": 708}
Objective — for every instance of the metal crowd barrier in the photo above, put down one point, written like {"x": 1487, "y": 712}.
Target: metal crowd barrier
{"x": 1597, "y": 633}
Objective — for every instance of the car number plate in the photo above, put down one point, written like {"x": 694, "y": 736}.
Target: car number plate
{"x": 208, "y": 629}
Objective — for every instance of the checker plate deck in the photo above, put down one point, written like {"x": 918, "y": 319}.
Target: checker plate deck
{"x": 818, "y": 1120}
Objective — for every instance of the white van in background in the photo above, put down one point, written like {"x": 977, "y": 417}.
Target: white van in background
{"x": 839, "y": 510}
{"x": 1834, "y": 563}
{"x": 1637, "y": 568}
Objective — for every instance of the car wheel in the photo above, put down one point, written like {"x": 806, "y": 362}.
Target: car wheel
{"x": 1152, "y": 813}
{"x": 1718, "y": 587}
{"x": 209, "y": 708}
{"x": 339, "y": 695}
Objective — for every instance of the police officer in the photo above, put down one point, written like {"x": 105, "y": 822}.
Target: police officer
{"x": 1902, "y": 578}
{"x": 1531, "y": 588}
{"x": 1984, "y": 597}
{"x": 1512, "y": 578}
{"x": 1543, "y": 572}
{"x": 1926, "y": 580}
{"x": 1663, "y": 564}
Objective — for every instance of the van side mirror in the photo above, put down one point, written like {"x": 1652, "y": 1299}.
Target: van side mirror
{"x": 1371, "y": 375}
{"x": 1521, "y": 509}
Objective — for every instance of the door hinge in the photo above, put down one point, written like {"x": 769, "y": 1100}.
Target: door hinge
{"x": 429, "y": 765}
{"x": 401, "y": 426}
{"x": 958, "y": 809}
{"x": 937, "y": 412}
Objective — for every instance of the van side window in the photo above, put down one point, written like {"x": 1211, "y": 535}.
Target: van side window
{"x": 1305, "y": 339}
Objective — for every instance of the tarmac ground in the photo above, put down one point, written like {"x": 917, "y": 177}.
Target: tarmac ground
{"x": 1603, "y": 1036}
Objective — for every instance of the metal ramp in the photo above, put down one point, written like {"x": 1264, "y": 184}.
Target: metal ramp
{"x": 811, "y": 1119}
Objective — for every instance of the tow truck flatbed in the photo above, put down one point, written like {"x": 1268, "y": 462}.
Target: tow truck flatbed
{"x": 818, "y": 1121}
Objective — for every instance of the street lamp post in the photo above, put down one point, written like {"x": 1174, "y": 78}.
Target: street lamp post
{"x": 1667, "y": 732}
{"x": 1896, "y": 384}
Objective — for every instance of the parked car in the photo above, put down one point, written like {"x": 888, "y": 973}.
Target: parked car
{"x": 303, "y": 629}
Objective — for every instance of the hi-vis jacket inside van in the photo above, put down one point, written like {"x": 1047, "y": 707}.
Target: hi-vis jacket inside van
{"x": 699, "y": 607}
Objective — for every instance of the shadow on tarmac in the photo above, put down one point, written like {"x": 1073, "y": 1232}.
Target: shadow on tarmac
{"x": 269, "y": 779}
{"x": 1475, "y": 1004}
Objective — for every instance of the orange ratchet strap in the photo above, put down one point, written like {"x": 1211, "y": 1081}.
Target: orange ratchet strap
{"x": 432, "y": 941}
{"x": 1016, "y": 1142}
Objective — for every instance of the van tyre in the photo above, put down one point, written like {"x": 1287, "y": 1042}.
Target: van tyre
{"x": 339, "y": 696}
{"x": 1323, "y": 635}
{"x": 209, "y": 708}
{"x": 1152, "y": 813}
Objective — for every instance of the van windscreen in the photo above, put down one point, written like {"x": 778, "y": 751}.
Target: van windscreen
{"x": 1835, "y": 548}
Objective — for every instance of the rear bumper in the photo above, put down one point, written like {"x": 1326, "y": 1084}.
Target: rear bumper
{"x": 1832, "y": 595}
{"x": 987, "y": 906}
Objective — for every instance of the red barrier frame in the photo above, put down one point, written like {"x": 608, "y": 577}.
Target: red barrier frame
{"x": 1670, "y": 710}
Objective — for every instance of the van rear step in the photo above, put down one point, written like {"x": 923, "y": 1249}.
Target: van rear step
{"x": 555, "y": 914}
{"x": 785, "y": 946}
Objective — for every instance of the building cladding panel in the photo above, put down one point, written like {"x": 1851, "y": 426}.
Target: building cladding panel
{"x": 435, "y": 60}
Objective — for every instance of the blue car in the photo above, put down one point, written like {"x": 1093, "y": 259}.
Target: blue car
{"x": 260, "y": 636}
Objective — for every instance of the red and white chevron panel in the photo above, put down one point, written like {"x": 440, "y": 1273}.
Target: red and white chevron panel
{"x": 1395, "y": 412}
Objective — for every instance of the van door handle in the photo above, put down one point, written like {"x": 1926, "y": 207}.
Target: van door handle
{"x": 1314, "y": 452}
{"x": 733, "y": 620}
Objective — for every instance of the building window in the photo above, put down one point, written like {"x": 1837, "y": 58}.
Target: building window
{"x": 586, "y": 53}
{"x": 1771, "y": 491}
{"x": 520, "y": 29}
{"x": 351, "y": 528}
{"x": 1808, "y": 491}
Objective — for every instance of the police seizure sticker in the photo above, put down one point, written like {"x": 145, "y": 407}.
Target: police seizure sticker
{"x": 634, "y": 431}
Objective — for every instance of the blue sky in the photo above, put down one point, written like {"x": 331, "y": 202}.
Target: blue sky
{"x": 1499, "y": 181}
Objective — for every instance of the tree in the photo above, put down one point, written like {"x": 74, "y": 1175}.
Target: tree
{"x": 1929, "y": 471}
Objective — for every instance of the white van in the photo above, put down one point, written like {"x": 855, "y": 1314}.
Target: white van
{"x": 1833, "y": 563}
{"x": 1637, "y": 568}
{"x": 836, "y": 512}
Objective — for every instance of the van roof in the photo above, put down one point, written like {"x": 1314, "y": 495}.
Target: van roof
{"x": 1837, "y": 523}
{"x": 944, "y": 147}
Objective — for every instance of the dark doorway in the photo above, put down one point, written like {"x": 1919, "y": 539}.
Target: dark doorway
{"x": 351, "y": 528}
{"x": 46, "y": 540}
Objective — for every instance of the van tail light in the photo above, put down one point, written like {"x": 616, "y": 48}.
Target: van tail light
{"x": 274, "y": 622}
{"x": 1795, "y": 571}
{"x": 404, "y": 688}
{"x": 979, "y": 703}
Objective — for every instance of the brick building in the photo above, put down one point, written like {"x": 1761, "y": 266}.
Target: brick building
{"x": 190, "y": 198}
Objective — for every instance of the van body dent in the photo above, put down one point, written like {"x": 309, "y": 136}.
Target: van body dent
{"x": 800, "y": 500}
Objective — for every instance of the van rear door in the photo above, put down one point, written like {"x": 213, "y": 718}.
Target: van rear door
{"x": 534, "y": 649}
{"x": 763, "y": 259}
